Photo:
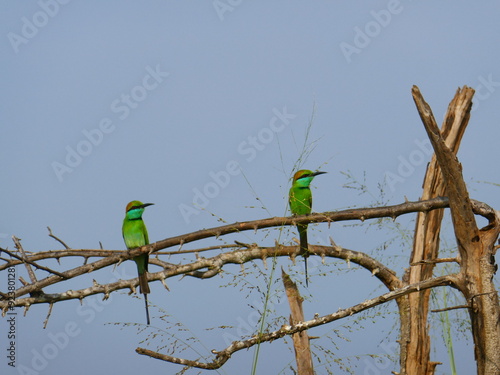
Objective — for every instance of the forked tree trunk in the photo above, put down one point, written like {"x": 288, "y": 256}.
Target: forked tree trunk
{"x": 476, "y": 247}
{"x": 415, "y": 340}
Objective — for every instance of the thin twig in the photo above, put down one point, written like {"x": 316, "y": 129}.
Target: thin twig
{"x": 208, "y": 248}
{"x": 48, "y": 316}
{"x": 434, "y": 261}
{"x": 4, "y": 259}
{"x": 19, "y": 247}
{"x": 28, "y": 262}
{"x": 451, "y": 308}
{"x": 58, "y": 239}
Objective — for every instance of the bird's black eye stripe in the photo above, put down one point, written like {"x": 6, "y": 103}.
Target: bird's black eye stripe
{"x": 305, "y": 175}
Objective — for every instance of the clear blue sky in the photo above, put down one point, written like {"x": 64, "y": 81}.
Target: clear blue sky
{"x": 170, "y": 102}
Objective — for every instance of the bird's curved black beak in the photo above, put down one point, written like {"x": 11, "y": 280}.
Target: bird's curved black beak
{"x": 146, "y": 204}
{"x": 318, "y": 173}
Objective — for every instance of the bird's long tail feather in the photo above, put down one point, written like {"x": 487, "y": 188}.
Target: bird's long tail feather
{"x": 147, "y": 308}
{"x": 144, "y": 285}
{"x": 304, "y": 247}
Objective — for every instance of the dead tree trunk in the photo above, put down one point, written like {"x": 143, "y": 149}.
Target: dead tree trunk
{"x": 300, "y": 339}
{"x": 415, "y": 340}
{"x": 476, "y": 247}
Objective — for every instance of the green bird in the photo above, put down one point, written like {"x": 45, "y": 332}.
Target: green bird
{"x": 135, "y": 235}
{"x": 300, "y": 200}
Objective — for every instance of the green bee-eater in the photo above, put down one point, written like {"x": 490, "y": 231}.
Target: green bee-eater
{"x": 135, "y": 235}
{"x": 300, "y": 200}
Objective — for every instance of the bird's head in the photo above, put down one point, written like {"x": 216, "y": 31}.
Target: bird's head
{"x": 135, "y": 209}
{"x": 304, "y": 177}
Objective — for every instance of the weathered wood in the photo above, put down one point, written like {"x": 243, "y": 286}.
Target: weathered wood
{"x": 476, "y": 247}
{"x": 300, "y": 339}
{"x": 415, "y": 340}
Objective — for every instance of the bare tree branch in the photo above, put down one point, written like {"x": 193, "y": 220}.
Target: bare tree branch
{"x": 26, "y": 260}
{"x": 57, "y": 239}
{"x": 51, "y": 305}
{"x": 353, "y": 214}
{"x": 451, "y": 308}
{"x": 223, "y": 356}
{"x": 435, "y": 261}
{"x": 213, "y": 266}
{"x": 19, "y": 247}
{"x": 100, "y": 253}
